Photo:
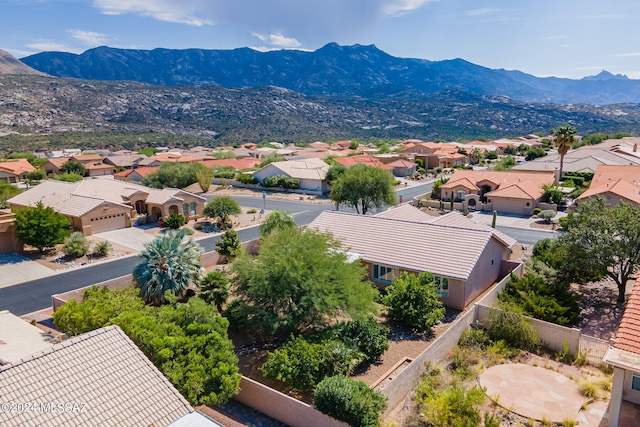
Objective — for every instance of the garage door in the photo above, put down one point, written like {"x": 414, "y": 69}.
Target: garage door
{"x": 108, "y": 223}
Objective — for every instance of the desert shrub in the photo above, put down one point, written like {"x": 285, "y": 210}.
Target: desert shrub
{"x": 230, "y": 245}
{"x": 245, "y": 178}
{"x": 414, "y": 301}
{"x": 368, "y": 336}
{"x": 198, "y": 226}
{"x": 353, "y": 402}
{"x": 174, "y": 221}
{"x": 536, "y": 211}
{"x": 226, "y": 172}
{"x": 303, "y": 364}
{"x": 548, "y": 300}
{"x": 547, "y": 215}
{"x": 281, "y": 181}
{"x": 76, "y": 245}
{"x": 508, "y": 323}
{"x": 474, "y": 338}
{"x": 252, "y": 211}
{"x": 443, "y": 404}
{"x": 102, "y": 248}
{"x": 189, "y": 232}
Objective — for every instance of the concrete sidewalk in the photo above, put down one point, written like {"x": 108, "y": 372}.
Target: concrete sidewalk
{"x": 15, "y": 268}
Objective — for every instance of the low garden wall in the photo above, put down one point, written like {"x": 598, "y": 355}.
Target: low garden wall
{"x": 552, "y": 336}
{"x": 207, "y": 259}
{"x": 547, "y": 206}
{"x": 401, "y": 386}
{"x": 281, "y": 407}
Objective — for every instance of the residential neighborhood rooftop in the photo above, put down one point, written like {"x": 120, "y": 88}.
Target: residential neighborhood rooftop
{"x": 103, "y": 372}
{"x": 19, "y": 339}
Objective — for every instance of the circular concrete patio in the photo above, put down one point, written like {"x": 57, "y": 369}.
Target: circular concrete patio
{"x": 533, "y": 392}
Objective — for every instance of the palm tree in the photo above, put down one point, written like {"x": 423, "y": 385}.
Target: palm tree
{"x": 214, "y": 289}
{"x": 277, "y": 220}
{"x": 564, "y": 140}
{"x": 169, "y": 263}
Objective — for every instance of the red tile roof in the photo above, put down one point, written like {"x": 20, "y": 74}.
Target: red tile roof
{"x": 142, "y": 171}
{"x": 363, "y": 158}
{"x": 17, "y": 166}
{"x": 237, "y": 164}
{"x": 628, "y": 335}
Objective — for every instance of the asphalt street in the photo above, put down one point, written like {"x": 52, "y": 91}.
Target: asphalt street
{"x": 36, "y": 294}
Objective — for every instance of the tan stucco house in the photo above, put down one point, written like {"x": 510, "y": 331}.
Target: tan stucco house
{"x": 624, "y": 356}
{"x": 311, "y": 173}
{"x": 9, "y": 241}
{"x": 97, "y": 205}
{"x": 516, "y": 193}
{"x": 407, "y": 239}
{"x": 15, "y": 170}
{"x": 616, "y": 183}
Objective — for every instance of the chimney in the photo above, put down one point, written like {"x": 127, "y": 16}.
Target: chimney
{"x": 635, "y": 147}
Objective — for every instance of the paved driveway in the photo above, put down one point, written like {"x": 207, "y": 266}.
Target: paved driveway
{"x": 15, "y": 268}
{"x": 132, "y": 237}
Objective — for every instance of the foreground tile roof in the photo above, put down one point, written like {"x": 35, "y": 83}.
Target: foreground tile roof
{"x": 446, "y": 250}
{"x": 102, "y": 369}
{"x": 628, "y": 335}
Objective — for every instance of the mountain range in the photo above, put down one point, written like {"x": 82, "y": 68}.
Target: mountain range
{"x": 336, "y": 71}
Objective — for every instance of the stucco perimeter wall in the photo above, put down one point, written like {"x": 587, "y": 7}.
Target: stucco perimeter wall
{"x": 404, "y": 384}
{"x": 490, "y": 298}
{"x": 281, "y": 407}
{"x": 553, "y": 336}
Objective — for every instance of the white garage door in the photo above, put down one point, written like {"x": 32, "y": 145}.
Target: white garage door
{"x": 108, "y": 223}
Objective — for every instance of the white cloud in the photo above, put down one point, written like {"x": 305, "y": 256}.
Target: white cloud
{"x": 51, "y": 46}
{"x": 627, "y": 55}
{"x": 277, "y": 39}
{"x": 400, "y": 7}
{"x": 481, "y": 11}
{"x": 89, "y": 38}
{"x": 184, "y": 12}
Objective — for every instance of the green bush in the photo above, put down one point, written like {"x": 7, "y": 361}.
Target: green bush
{"x": 563, "y": 222}
{"x": 536, "y": 211}
{"x": 174, "y": 221}
{"x": 508, "y": 323}
{"x": 543, "y": 299}
{"x": 252, "y": 211}
{"x": 368, "y": 336}
{"x": 102, "y": 248}
{"x": 281, "y": 181}
{"x": 474, "y": 338}
{"x": 547, "y": 215}
{"x": 353, "y": 402}
{"x": 198, "y": 226}
{"x": 226, "y": 172}
{"x": 414, "y": 301}
{"x": 76, "y": 245}
{"x": 68, "y": 177}
{"x": 245, "y": 178}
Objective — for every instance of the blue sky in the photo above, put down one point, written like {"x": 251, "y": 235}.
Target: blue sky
{"x": 564, "y": 38}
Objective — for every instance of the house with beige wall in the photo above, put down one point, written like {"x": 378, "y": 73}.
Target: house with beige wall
{"x": 9, "y": 241}
{"x": 506, "y": 192}
{"x": 312, "y": 173}
{"x": 624, "y": 356}
{"x": 15, "y": 170}
{"x": 97, "y": 205}
{"x": 615, "y": 183}
{"x": 407, "y": 239}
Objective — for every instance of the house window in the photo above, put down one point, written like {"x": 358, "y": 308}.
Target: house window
{"x": 382, "y": 273}
{"x": 442, "y": 285}
{"x": 460, "y": 195}
{"x": 185, "y": 209}
{"x": 528, "y": 204}
{"x": 193, "y": 208}
{"x": 635, "y": 381}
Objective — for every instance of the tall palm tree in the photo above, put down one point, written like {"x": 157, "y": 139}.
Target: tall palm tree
{"x": 277, "y": 220}
{"x": 564, "y": 139}
{"x": 214, "y": 289}
{"x": 169, "y": 263}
